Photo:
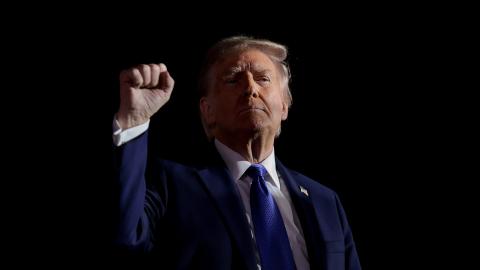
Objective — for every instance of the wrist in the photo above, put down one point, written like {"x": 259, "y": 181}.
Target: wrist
{"x": 128, "y": 120}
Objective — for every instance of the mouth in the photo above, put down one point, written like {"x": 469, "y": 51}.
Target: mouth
{"x": 251, "y": 109}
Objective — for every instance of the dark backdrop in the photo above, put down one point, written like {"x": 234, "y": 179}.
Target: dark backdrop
{"x": 368, "y": 120}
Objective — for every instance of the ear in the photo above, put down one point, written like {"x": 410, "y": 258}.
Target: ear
{"x": 284, "y": 110}
{"x": 207, "y": 110}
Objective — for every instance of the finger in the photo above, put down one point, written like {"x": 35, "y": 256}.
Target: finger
{"x": 162, "y": 67}
{"x": 146, "y": 75}
{"x": 166, "y": 81}
{"x": 155, "y": 69}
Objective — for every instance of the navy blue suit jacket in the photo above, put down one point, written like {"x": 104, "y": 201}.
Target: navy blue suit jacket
{"x": 192, "y": 217}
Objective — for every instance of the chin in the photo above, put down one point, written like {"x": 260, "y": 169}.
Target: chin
{"x": 254, "y": 127}
{"x": 255, "y": 122}
{"x": 252, "y": 123}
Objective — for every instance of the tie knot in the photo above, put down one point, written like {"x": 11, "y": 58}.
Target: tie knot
{"x": 256, "y": 170}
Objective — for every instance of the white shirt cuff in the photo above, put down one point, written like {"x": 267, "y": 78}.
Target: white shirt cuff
{"x": 121, "y": 136}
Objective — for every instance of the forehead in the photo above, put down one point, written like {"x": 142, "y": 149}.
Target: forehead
{"x": 251, "y": 59}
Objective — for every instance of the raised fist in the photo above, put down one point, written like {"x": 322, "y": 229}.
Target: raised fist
{"x": 144, "y": 89}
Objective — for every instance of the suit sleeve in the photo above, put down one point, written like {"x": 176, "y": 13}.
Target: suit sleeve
{"x": 137, "y": 208}
{"x": 351, "y": 257}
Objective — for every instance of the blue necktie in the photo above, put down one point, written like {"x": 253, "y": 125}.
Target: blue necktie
{"x": 271, "y": 236}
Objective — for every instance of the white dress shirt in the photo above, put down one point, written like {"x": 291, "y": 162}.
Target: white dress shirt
{"x": 237, "y": 166}
{"x": 121, "y": 136}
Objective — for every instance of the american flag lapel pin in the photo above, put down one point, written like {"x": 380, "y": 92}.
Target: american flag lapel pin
{"x": 304, "y": 191}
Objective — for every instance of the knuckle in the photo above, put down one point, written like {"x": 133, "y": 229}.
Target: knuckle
{"x": 154, "y": 67}
{"x": 143, "y": 68}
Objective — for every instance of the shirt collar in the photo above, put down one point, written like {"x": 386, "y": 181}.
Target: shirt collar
{"x": 237, "y": 165}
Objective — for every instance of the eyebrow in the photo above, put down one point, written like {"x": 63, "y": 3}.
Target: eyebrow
{"x": 239, "y": 68}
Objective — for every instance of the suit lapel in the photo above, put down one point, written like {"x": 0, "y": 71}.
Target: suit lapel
{"x": 299, "y": 192}
{"x": 221, "y": 187}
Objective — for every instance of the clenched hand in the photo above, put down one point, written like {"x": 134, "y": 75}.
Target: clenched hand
{"x": 144, "y": 89}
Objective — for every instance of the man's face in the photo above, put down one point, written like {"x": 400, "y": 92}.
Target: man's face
{"x": 246, "y": 95}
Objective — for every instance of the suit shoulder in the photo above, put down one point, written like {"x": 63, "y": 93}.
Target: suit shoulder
{"x": 169, "y": 168}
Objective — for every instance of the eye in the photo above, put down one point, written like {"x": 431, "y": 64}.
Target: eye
{"x": 231, "y": 80}
{"x": 264, "y": 79}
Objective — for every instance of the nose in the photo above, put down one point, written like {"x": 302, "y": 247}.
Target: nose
{"x": 251, "y": 87}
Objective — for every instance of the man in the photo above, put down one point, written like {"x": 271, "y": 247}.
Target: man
{"x": 240, "y": 208}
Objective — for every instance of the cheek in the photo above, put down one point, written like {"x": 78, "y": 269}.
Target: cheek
{"x": 277, "y": 104}
{"x": 223, "y": 108}
{"x": 226, "y": 101}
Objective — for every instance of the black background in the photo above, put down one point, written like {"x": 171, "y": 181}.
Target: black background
{"x": 373, "y": 118}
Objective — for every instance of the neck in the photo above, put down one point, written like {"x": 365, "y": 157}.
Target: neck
{"x": 254, "y": 148}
